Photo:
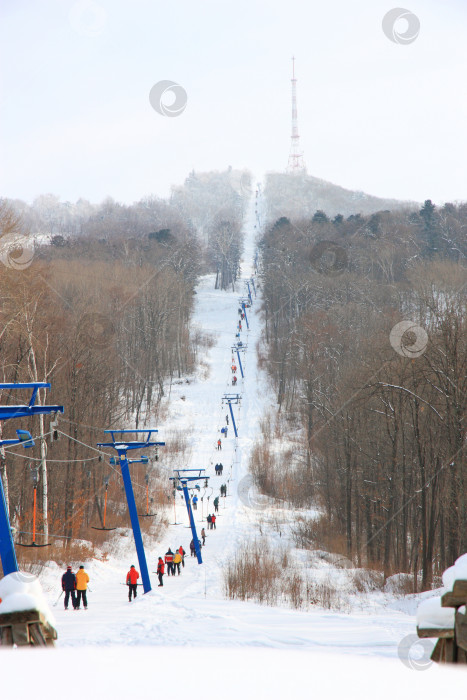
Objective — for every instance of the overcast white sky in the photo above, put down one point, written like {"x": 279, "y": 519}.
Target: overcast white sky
{"x": 385, "y": 118}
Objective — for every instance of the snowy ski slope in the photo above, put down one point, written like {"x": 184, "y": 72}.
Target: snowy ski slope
{"x": 186, "y": 637}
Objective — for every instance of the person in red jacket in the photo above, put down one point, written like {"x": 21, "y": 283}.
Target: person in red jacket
{"x": 160, "y": 570}
{"x": 213, "y": 522}
{"x": 131, "y": 581}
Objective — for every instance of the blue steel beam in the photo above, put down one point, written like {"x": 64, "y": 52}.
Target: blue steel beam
{"x": 122, "y": 446}
{"x": 240, "y": 364}
{"x": 192, "y": 521}
{"x": 7, "y": 546}
{"x": 130, "y": 497}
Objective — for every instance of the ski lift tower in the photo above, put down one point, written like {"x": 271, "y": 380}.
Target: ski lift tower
{"x": 183, "y": 476}
{"x": 238, "y": 349}
{"x": 7, "y": 547}
{"x": 243, "y": 303}
{"x": 232, "y": 399}
{"x": 122, "y": 446}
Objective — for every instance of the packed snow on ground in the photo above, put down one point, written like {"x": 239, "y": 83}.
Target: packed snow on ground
{"x": 186, "y": 637}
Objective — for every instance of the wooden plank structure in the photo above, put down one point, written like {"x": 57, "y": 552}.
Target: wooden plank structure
{"x": 451, "y": 646}
{"x": 26, "y": 628}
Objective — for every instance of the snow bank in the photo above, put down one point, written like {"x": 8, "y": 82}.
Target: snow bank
{"x": 22, "y": 591}
{"x": 430, "y": 615}
{"x": 234, "y": 674}
{"x": 456, "y": 572}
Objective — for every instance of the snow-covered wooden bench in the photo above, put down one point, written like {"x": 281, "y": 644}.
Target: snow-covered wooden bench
{"x": 25, "y": 616}
{"x": 444, "y": 617}
{"x": 26, "y": 628}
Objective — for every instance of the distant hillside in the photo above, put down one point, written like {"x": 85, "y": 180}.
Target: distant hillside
{"x": 300, "y": 196}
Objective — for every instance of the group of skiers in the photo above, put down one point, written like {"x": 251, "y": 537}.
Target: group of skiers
{"x": 75, "y": 586}
{"x": 211, "y": 522}
{"x": 173, "y": 561}
{"x": 219, "y": 468}
{"x": 223, "y": 490}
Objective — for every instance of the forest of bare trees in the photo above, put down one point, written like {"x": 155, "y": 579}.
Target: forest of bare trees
{"x": 97, "y": 300}
{"x": 105, "y": 318}
{"x": 377, "y": 434}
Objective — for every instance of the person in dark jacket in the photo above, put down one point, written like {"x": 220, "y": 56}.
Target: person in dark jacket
{"x": 160, "y": 571}
{"x": 216, "y": 504}
{"x": 209, "y": 519}
{"x": 169, "y": 560}
{"x": 69, "y": 586}
{"x": 192, "y": 548}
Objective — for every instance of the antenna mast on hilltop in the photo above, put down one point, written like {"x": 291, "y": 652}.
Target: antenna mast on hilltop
{"x": 296, "y": 164}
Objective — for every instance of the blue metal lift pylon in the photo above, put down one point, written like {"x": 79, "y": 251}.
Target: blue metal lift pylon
{"x": 122, "y": 446}
{"x": 232, "y": 399}
{"x": 7, "y": 546}
{"x": 243, "y": 305}
{"x": 238, "y": 349}
{"x": 183, "y": 477}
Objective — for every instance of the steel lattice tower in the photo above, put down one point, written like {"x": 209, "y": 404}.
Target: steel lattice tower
{"x": 296, "y": 164}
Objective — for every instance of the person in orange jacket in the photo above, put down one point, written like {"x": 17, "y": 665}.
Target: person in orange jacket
{"x": 131, "y": 581}
{"x": 160, "y": 570}
{"x": 82, "y": 580}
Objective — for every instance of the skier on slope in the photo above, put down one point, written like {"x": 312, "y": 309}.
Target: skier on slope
{"x": 213, "y": 522}
{"x": 169, "y": 559}
{"x": 177, "y": 562}
{"x": 182, "y": 554}
{"x": 216, "y": 504}
{"x": 195, "y": 502}
{"x": 69, "y": 586}
{"x": 131, "y": 581}
{"x": 160, "y": 571}
{"x": 219, "y": 444}
{"x": 192, "y": 548}
{"x": 203, "y": 535}
{"x": 82, "y": 580}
